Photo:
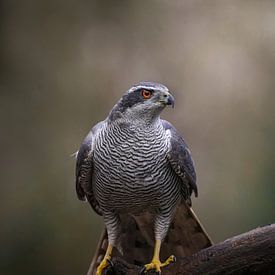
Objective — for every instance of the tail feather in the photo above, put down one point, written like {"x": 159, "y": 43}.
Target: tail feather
{"x": 185, "y": 237}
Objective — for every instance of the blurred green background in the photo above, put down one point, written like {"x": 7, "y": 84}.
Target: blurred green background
{"x": 64, "y": 64}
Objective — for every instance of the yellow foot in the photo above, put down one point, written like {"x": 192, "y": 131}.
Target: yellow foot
{"x": 156, "y": 264}
{"x": 104, "y": 263}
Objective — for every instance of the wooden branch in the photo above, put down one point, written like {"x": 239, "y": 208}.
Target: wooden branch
{"x": 251, "y": 252}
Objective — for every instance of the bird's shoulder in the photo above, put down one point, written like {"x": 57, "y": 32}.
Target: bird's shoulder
{"x": 87, "y": 145}
{"x": 174, "y": 135}
{"x": 84, "y": 161}
{"x": 88, "y": 141}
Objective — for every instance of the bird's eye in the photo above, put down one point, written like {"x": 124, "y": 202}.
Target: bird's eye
{"x": 146, "y": 94}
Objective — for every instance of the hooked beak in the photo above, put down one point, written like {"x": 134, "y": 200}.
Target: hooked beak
{"x": 168, "y": 99}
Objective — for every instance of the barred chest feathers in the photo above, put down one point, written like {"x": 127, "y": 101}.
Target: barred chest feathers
{"x": 130, "y": 164}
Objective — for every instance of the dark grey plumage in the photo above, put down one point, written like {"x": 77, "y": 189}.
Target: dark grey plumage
{"x": 85, "y": 169}
{"x": 135, "y": 163}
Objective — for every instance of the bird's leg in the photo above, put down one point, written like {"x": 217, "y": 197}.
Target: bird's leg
{"x": 104, "y": 263}
{"x": 156, "y": 263}
{"x": 112, "y": 222}
{"x": 162, "y": 223}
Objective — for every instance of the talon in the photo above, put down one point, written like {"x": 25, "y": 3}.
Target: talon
{"x": 142, "y": 270}
{"x": 111, "y": 264}
{"x": 102, "y": 266}
{"x": 105, "y": 262}
{"x": 174, "y": 259}
{"x": 156, "y": 265}
{"x": 171, "y": 259}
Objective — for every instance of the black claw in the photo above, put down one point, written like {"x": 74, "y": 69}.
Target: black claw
{"x": 109, "y": 270}
{"x": 174, "y": 259}
{"x": 141, "y": 272}
{"x": 110, "y": 263}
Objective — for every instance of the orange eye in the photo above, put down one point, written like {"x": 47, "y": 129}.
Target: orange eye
{"x": 146, "y": 94}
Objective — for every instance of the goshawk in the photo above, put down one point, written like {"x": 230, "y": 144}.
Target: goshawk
{"x": 136, "y": 171}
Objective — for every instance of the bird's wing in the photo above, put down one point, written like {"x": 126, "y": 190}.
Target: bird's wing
{"x": 84, "y": 169}
{"x": 180, "y": 159}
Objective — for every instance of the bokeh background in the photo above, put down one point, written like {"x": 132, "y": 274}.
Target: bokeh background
{"x": 63, "y": 66}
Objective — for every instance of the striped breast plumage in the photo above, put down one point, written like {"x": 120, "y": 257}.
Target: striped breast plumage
{"x": 131, "y": 169}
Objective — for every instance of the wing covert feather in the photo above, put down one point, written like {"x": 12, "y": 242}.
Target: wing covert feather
{"x": 180, "y": 158}
{"x": 84, "y": 169}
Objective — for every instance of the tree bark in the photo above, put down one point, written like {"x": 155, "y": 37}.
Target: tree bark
{"x": 249, "y": 253}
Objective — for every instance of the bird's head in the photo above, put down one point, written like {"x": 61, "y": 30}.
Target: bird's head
{"x": 143, "y": 101}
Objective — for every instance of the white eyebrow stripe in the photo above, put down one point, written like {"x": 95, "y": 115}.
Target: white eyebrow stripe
{"x": 146, "y": 87}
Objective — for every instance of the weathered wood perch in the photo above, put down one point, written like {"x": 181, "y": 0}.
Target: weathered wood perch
{"x": 249, "y": 253}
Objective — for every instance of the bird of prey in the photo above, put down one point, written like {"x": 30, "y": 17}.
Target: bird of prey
{"x": 136, "y": 170}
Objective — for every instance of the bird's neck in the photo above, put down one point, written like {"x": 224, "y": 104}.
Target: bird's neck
{"x": 141, "y": 117}
{"x": 136, "y": 122}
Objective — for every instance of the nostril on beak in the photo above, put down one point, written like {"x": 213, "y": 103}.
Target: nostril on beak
{"x": 165, "y": 95}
